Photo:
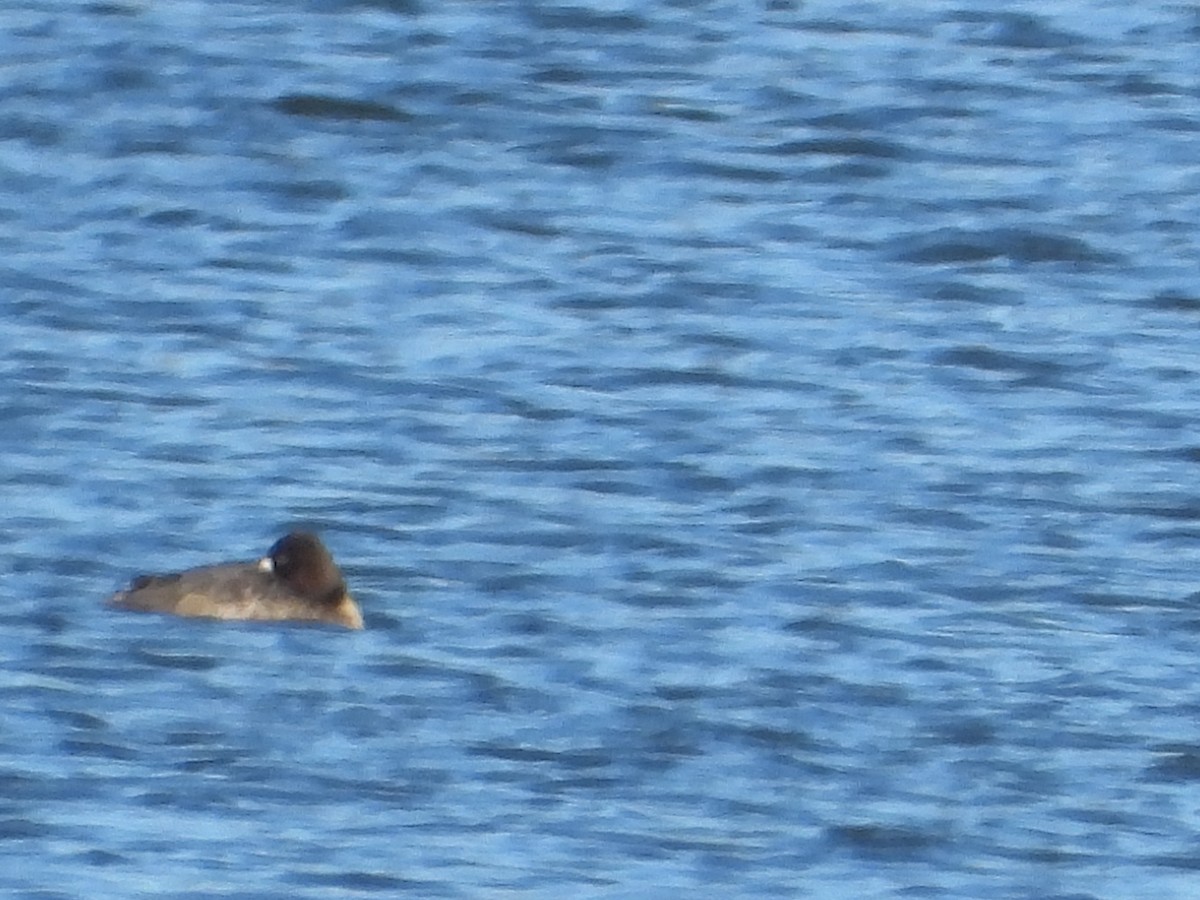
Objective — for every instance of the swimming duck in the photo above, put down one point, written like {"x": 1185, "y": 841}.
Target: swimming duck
{"x": 296, "y": 581}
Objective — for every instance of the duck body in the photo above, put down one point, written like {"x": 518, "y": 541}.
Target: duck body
{"x": 296, "y": 581}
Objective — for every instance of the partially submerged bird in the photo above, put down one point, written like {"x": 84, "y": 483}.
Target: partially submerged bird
{"x": 296, "y": 581}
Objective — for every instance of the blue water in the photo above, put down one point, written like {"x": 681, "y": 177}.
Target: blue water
{"x": 761, "y": 436}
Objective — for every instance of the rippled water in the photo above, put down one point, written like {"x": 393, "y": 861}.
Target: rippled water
{"x": 761, "y": 438}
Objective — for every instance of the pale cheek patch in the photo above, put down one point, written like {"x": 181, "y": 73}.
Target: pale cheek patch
{"x": 349, "y": 613}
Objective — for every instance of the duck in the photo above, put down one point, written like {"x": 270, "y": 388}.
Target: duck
{"x": 297, "y": 581}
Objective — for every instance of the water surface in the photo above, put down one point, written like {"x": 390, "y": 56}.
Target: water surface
{"x": 760, "y": 437}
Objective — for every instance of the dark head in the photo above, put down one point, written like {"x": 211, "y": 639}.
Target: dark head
{"x": 301, "y": 561}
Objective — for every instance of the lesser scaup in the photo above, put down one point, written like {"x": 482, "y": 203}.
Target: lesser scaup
{"x": 297, "y": 580}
